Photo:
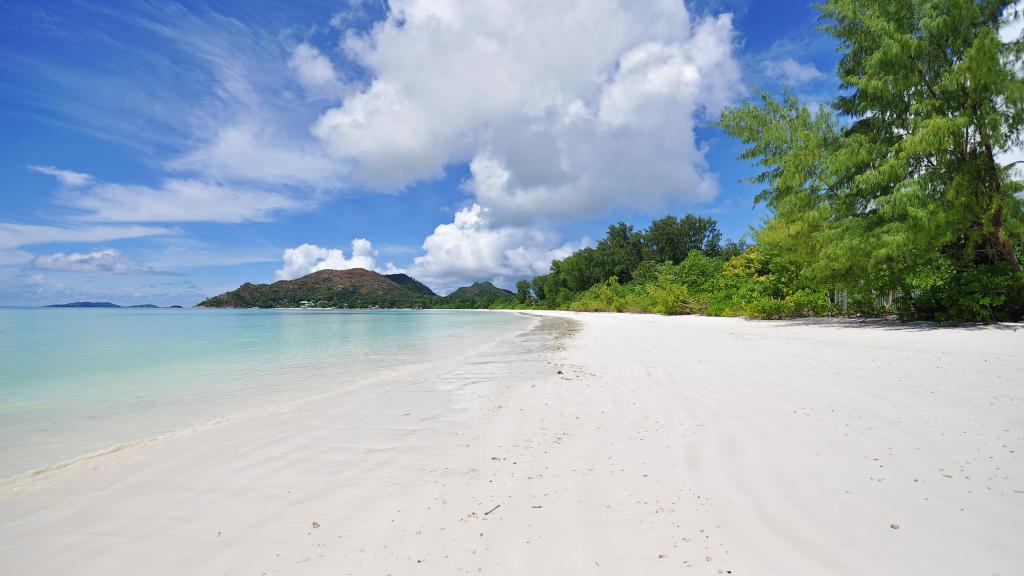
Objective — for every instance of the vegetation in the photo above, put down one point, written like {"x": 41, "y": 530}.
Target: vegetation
{"x": 354, "y": 288}
{"x": 479, "y": 295}
{"x": 621, "y": 252}
{"x": 893, "y": 199}
{"x": 898, "y": 189}
{"x": 675, "y": 266}
{"x": 411, "y": 284}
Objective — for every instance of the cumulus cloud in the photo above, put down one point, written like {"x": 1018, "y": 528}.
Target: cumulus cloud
{"x": 555, "y": 120}
{"x": 1013, "y": 22}
{"x": 471, "y": 248}
{"x": 793, "y": 72}
{"x": 308, "y": 258}
{"x": 109, "y": 260}
{"x": 315, "y": 72}
{"x": 67, "y": 178}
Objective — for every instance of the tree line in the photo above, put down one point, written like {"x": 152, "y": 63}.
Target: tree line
{"x": 620, "y": 252}
{"x": 674, "y": 266}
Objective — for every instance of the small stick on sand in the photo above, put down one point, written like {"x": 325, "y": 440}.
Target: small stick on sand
{"x": 492, "y": 509}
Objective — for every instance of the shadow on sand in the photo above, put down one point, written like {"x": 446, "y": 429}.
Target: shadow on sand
{"x": 895, "y": 324}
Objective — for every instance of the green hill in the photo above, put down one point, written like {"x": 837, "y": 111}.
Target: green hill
{"x": 354, "y": 288}
{"x": 411, "y": 284}
{"x": 479, "y": 295}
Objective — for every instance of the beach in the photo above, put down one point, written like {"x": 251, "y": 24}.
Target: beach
{"x": 588, "y": 443}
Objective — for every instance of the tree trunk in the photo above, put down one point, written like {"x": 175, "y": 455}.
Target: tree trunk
{"x": 1004, "y": 246}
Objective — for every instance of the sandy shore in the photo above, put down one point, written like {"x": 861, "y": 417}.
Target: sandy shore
{"x": 600, "y": 444}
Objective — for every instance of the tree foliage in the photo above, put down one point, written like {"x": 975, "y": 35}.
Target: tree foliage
{"x": 744, "y": 285}
{"x": 623, "y": 251}
{"x": 899, "y": 186}
{"x": 671, "y": 239}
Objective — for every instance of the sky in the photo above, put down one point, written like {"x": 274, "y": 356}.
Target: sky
{"x": 161, "y": 152}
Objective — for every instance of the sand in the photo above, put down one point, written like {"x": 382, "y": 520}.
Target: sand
{"x": 598, "y": 444}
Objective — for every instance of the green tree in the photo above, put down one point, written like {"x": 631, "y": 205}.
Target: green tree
{"x": 619, "y": 253}
{"x": 523, "y": 291}
{"x": 538, "y": 285}
{"x": 731, "y": 249}
{"x": 902, "y": 189}
{"x": 670, "y": 239}
{"x": 580, "y": 270}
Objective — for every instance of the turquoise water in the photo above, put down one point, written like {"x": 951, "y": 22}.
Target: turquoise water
{"x": 74, "y": 381}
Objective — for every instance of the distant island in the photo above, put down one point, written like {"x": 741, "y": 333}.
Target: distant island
{"x": 84, "y": 305}
{"x": 355, "y": 288}
{"x": 103, "y": 305}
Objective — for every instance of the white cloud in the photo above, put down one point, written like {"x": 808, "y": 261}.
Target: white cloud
{"x": 470, "y": 249}
{"x": 253, "y": 154}
{"x": 1013, "y": 22}
{"x": 315, "y": 73}
{"x": 192, "y": 200}
{"x": 40, "y": 284}
{"x": 558, "y": 121}
{"x": 793, "y": 72}
{"x": 1015, "y": 156}
{"x": 308, "y": 258}
{"x": 108, "y": 260}
{"x": 67, "y": 178}
{"x": 179, "y": 200}
{"x": 386, "y": 134}
{"x": 1013, "y": 26}
{"x": 15, "y": 236}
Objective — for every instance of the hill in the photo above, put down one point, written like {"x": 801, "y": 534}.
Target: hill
{"x": 479, "y": 295}
{"x": 411, "y": 284}
{"x": 354, "y": 288}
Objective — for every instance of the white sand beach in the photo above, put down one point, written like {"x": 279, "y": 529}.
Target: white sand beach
{"x": 597, "y": 444}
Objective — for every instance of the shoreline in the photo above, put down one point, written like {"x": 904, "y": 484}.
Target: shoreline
{"x": 592, "y": 443}
{"x": 385, "y": 375}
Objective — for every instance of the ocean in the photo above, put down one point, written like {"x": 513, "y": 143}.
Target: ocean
{"x": 76, "y": 381}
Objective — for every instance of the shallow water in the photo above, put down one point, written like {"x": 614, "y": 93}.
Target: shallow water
{"x": 74, "y": 381}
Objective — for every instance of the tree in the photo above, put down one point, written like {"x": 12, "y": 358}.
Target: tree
{"x": 538, "y": 285}
{"x": 670, "y": 239}
{"x": 523, "y": 291}
{"x": 619, "y": 253}
{"x": 902, "y": 189}
{"x": 731, "y": 249}
{"x": 580, "y": 270}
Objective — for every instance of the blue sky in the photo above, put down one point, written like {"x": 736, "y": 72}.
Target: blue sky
{"x": 164, "y": 152}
